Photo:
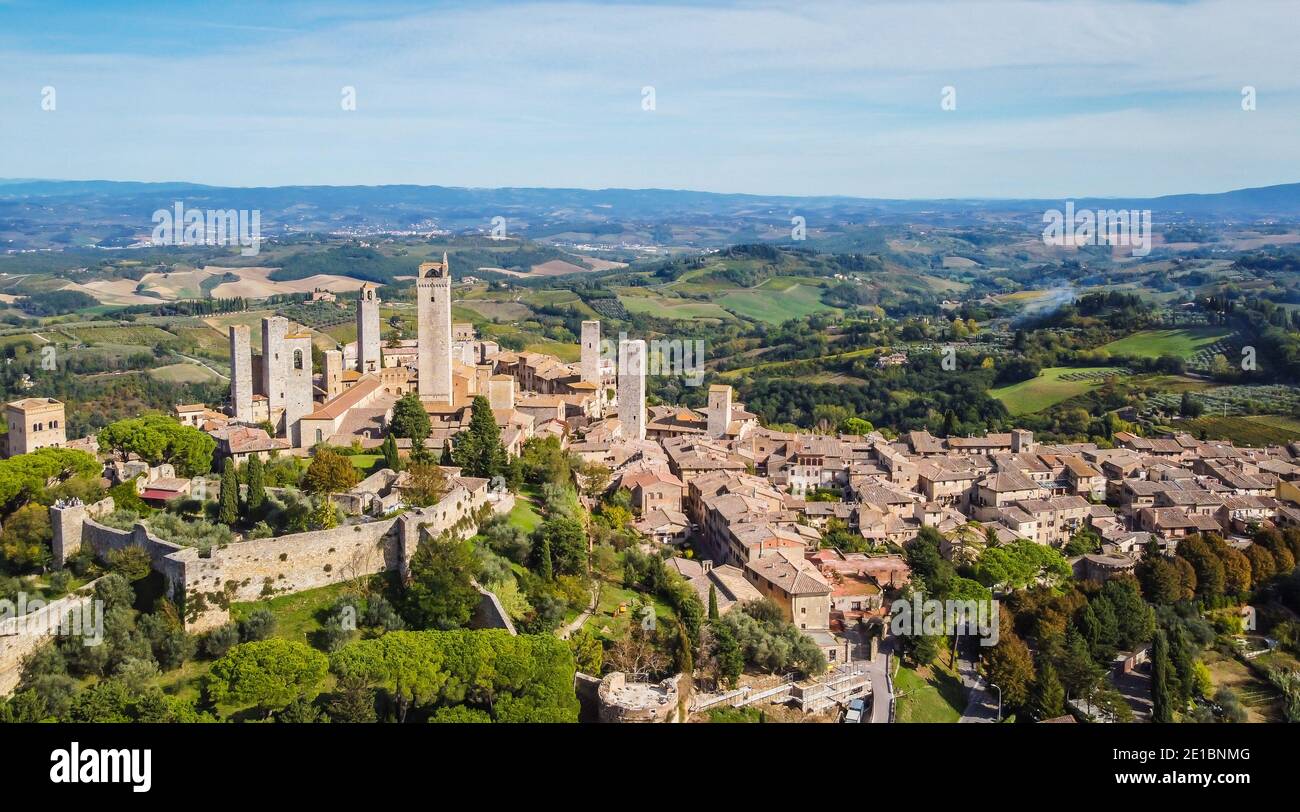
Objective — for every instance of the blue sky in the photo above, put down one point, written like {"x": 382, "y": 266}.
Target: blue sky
{"x": 1053, "y": 98}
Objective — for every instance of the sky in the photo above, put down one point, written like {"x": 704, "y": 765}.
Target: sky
{"x": 1053, "y": 98}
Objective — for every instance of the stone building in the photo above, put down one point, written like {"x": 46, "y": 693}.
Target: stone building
{"x": 35, "y": 423}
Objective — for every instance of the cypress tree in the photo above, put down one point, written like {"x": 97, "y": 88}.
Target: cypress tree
{"x": 229, "y": 511}
{"x": 392, "y": 459}
{"x": 1048, "y": 697}
{"x": 545, "y": 567}
{"x": 478, "y": 450}
{"x": 1162, "y": 695}
{"x": 713, "y": 602}
{"x": 256, "y": 484}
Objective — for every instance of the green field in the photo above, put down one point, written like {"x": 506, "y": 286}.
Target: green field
{"x": 772, "y": 304}
{"x": 1184, "y": 343}
{"x": 1052, "y": 386}
{"x": 1253, "y": 430}
{"x": 136, "y": 335}
{"x": 668, "y": 307}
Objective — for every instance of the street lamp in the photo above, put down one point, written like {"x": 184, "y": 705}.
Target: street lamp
{"x": 999, "y": 701}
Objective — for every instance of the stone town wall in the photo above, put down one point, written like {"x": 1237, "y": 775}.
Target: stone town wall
{"x": 19, "y": 636}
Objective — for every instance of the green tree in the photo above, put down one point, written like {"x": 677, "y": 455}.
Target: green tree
{"x": 330, "y": 472}
{"x": 566, "y": 541}
{"x": 269, "y": 673}
{"x": 426, "y": 486}
{"x": 25, "y": 540}
{"x": 588, "y": 653}
{"x": 441, "y": 594}
{"x": 1163, "y": 694}
{"x": 160, "y": 438}
{"x": 228, "y": 513}
{"x": 256, "y": 485}
{"x": 392, "y": 459}
{"x": 1010, "y": 667}
{"x": 410, "y": 420}
{"x": 478, "y": 449}
{"x": 713, "y": 602}
{"x": 1048, "y": 697}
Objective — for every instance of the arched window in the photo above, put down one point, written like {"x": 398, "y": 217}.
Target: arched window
{"x": 370, "y": 294}
{"x": 297, "y": 359}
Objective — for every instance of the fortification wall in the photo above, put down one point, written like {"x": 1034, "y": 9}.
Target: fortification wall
{"x": 19, "y": 636}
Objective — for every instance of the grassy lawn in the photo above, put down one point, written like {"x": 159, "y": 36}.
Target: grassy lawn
{"x": 929, "y": 694}
{"x": 1183, "y": 343}
{"x": 1260, "y": 698}
{"x": 565, "y": 352}
{"x": 295, "y": 615}
{"x": 365, "y": 462}
{"x": 607, "y": 616}
{"x": 524, "y": 514}
{"x": 1049, "y": 388}
{"x": 775, "y": 305}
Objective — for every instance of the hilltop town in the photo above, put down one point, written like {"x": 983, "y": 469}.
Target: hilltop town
{"x": 684, "y": 562}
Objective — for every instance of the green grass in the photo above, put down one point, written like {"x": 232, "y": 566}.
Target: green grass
{"x": 524, "y": 515}
{"x": 1184, "y": 343}
{"x": 1048, "y": 389}
{"x": 639, "y": 300}
{"x": 931, "y": 694}
{"x": 607, "y": 616}
{"x": 296, "y": 615}
{"x": 365, "y": 461}
{"x": 138, "y": 335}
{"x": 565, "y": 352}
{"x": 775, "y": 305}
{"x": 1255, "y": 430}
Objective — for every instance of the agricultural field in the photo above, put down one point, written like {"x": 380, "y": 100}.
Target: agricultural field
{"x": 775, "y": 301}
{"x": 644, "y": 300}
{"x": 1255, "y": 430}
{"x": 133, "y": 335}
{"x": 1185, "y": 342}
{"x": 184, "y": 373}
{"x": 1230, "y": 401}
{"x": 1052, "y": 386}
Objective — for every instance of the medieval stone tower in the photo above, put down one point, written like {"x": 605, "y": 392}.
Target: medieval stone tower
{"x": 433, "y": 329}
{"x": 591, "y": 352}
{"x": 631, "y": 388}
{"x": 368, "y": 358}
{"x": 286, "y": 373}
{"x": 719, "y": 410}
{"x": 241, "y": 373}
{"x": 333, "y": 374}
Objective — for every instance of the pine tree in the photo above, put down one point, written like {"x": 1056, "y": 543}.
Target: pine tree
{"x": 229, "y": 511}
{"x": 713, "y": 602}
{"x": 256, "y": 484}
{"x": 392, "y": 459}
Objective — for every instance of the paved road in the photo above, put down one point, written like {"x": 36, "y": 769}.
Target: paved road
{"x": 982, "y": 705}
{"x": 881, "y": 696}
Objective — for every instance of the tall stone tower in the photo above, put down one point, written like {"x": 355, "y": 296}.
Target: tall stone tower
{"x": 333, "y": 374}
{"x": 298, "y": 401}
{"x": 368, "y": 352}
{"x": 274, "y": 329}
{"x": 591, "y": 352}
{"x": 241, "y": 372}
{"x": 433, "y": 329}
{"x": 719, "y": 410}
{"x": 631, "y": 388}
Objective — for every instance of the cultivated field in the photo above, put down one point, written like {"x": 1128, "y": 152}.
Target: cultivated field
{"x": 1184, "y": 343}
{"x": 1053, "y": 385}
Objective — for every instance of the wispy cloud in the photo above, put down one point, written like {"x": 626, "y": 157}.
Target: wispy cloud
{"x": 1052, "y": 97}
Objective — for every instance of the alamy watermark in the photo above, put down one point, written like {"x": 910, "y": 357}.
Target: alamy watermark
{"x": 218, "y": 227}
{"x": 1123, "y": 227}
{"x": 35, "y": 616}
{"x": 664, "y": 357}
{"x": 932, "y": 617}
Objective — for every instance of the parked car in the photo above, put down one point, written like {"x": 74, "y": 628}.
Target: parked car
{"x": 857, "y": 708}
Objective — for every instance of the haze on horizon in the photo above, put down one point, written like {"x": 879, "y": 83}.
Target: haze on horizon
{"x": 1053, "y": 99}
